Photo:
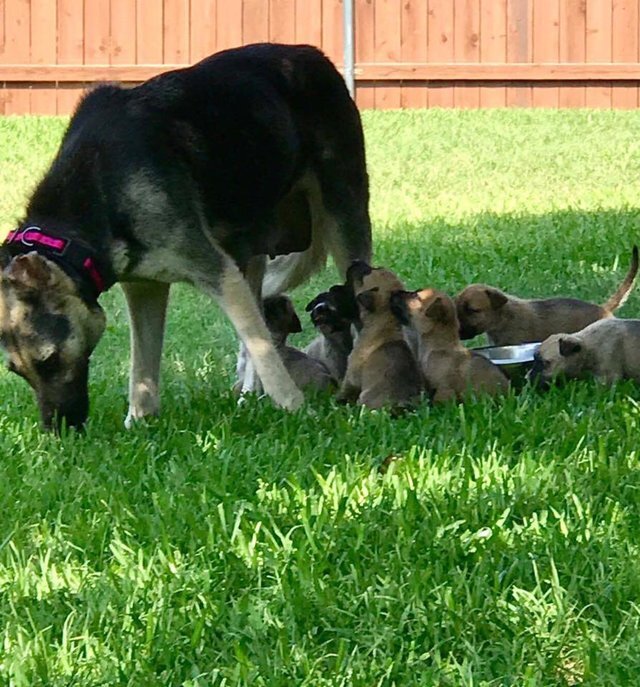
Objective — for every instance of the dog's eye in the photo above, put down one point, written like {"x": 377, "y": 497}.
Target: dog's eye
{"x": 471, "y": 310}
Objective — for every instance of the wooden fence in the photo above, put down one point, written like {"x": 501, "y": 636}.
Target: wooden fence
{"x": 409, "y": 53}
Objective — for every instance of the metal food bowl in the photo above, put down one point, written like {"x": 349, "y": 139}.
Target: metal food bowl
{"x": 514, "y": 361}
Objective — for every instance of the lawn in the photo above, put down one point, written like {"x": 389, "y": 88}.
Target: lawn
{"x": 225, "y": 545}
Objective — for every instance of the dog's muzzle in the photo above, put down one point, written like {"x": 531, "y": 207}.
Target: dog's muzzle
{"x": 535, "y": 377}
{"x": 66, "y": 405}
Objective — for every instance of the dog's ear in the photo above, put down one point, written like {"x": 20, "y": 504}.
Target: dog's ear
{"x": 29, "y": 272}
{"x": 367, "y": 300}
{"x": 496, "y": 298}
{"x": 437, "y": 311}
{"x": 569, "y": 346}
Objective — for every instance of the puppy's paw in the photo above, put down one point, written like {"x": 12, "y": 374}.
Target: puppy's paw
{"x": 135, "y": 417}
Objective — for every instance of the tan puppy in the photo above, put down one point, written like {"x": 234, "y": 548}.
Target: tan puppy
{"x": 306, "y": 372}
{"x": 510, "y": 320}
{"x": 450, "y": 370}
{"x": 381, "y": 370}
{"x": 608, "y": 350}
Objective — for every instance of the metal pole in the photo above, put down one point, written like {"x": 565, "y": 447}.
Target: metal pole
{"x": 349, "y": 70}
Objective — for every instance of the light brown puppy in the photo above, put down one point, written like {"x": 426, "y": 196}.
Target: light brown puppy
{"x": 381, "y": 370}
{"x": 510, "y": 320}
{"x": 608, "y": 350}
{"x": 450, "y": 370}
{"x": 282, "y": 320}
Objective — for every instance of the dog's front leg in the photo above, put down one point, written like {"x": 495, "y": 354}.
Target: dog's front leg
{"x": 248, "y": 379}
{"x": 147, "y": 304}
{"x": 237, "y": 300}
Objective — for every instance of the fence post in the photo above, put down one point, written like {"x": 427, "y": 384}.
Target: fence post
{"x": 348, "y": 30}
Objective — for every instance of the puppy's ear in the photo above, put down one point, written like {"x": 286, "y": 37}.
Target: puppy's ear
{"x": 569, "y": 346}
{"x": 294, "y": 322}
{"x": 437, "y": 311}
{"x": 496, "y": 298}
{"x": 367, "y": 300}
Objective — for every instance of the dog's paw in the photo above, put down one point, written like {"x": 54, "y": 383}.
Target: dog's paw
{"x": 291, "y": 401}
{"x": 135, "y": 418}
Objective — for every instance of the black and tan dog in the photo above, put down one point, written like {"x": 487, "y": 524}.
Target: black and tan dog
{"x": 450, "y": 370}
{"x": 510, "y": 320}
{"x": 608, "y": 350}
{"x": 198, "y": 175}
{"x": 381, "y": 369}
{"x": 306, "y": 371}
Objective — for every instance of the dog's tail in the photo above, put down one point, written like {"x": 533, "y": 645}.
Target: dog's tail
{"x": 620, "y": 296}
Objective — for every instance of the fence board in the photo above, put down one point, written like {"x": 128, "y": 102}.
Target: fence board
{"x": 175, "y": 31}
{"x": 308, "y": 21}
{"x": 546, "y": 48}
{"x": 282, "y": 21}
{"x": 364, "y": 18}
{"x": 202, "y": 27}
{"x": 255, "y": 21}
{"x": 43, "y": 51}
{"x": 71, "y": 40}
{"x": 625, "y": 49}
{"x": 387, "y": 47}
{"x": 466, "y": 15}
{"x": 598, "y": 48}
{"x": 493, "y": 47}
{"x": 413, "y": 46}
{"x": 519, "y": 47}
{"x": 149, "y": 23}
{"x": 228, "y": 24}
{"x": 17, "y": 15}
{"x": 573, "y": 30}
{"x": 440, "y": 48}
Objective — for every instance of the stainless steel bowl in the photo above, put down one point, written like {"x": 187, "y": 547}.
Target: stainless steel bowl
{"x": 514, "y": 361}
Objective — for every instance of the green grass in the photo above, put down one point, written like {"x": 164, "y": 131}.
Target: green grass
{"x": 224, "y": 545}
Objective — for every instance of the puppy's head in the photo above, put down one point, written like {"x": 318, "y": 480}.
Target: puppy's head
{"x": 427, "y": 311}
{"x": 477, "y": 307}
{"x": 559, "y": 356}
{"x": 280, "y": 316}
{"x": 48, "y": 334}
{"x": 373, "y": 289}
{"x": 334, "y": 311}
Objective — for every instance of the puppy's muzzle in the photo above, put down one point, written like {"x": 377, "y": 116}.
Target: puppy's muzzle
{"x": 467, "y": 332}
{"x": 535, "y": 376}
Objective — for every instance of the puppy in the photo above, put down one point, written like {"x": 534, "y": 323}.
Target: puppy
{"x": 608, "y": 350}
{"x": 381, "y": 371}
{"x": 510, "y": 320}
{"x": 450, "y": 370}
{"x": 306, "y": 372}
{"x": 333, "y": 313}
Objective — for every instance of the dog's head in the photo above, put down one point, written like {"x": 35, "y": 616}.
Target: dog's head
{"x": 559, "y": 356}
{"x": 373, "y": 288}
{"x": 48, "y": 334}
{"x": 478, "y": 307}
{"x": 281, "y": 317}
{"x": 334, "y": 311}
{"x": 426, "y": 311}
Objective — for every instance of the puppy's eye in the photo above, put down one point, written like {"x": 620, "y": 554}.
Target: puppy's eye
{"x": 471, "y": 310}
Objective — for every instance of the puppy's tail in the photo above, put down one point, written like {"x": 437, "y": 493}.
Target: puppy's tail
{"x": 620, "y": 296}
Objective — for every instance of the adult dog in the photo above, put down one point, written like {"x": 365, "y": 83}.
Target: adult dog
{"x": 197, "y": 175}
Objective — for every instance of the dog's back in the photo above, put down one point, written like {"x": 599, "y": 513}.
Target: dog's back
{"x": 390, "y": 377}
{"x": 484, "y": 377}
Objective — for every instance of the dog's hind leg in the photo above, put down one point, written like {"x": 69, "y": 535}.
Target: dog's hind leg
{"x": 147, "y": 304}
